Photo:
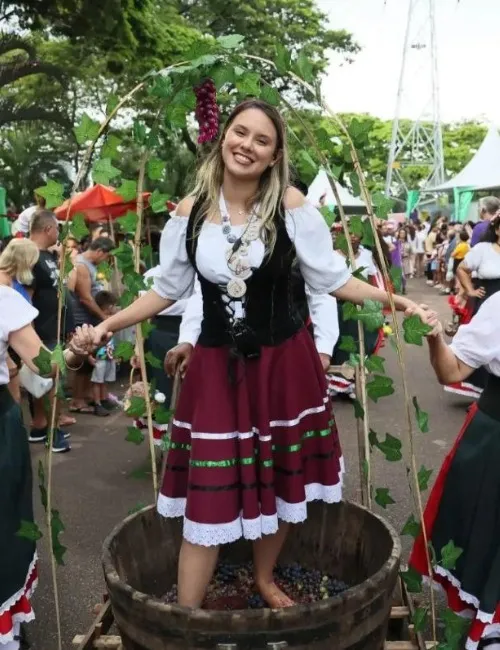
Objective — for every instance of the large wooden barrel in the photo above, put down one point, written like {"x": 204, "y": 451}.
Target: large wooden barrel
{"x": 345, "y": 540}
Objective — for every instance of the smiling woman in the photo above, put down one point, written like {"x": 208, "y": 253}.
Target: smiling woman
{"x": 253, "y": 440}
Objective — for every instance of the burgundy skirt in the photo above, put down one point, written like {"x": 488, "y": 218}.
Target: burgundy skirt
{"x": 249, "y": 452}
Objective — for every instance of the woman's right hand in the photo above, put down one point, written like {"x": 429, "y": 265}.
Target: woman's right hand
{"x": 101, "y": 334}
{"x": 478, "y": 293}
{"x": 178, "y": 358}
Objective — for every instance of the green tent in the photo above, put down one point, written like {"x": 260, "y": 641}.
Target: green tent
{"x": 5, "y": 228}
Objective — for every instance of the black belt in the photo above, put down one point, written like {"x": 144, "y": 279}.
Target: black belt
{"x": 489, "y": 402}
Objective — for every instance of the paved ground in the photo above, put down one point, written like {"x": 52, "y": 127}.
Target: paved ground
{"x": 94, "y": 488}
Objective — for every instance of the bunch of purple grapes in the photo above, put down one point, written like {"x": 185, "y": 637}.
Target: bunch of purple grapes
{"x": 207, "y": 111}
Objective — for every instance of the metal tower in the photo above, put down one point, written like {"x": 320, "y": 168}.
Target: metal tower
{"x": 417, "y": 141}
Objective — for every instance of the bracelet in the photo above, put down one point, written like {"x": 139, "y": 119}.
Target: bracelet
{"x": 69, "y": 367}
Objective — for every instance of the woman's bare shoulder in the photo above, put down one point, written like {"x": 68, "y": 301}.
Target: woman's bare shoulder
{"x": 185, "y": 206}
{"x": 293, "y": 198}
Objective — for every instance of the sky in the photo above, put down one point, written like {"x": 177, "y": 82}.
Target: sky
{"x": 468, "y": 41}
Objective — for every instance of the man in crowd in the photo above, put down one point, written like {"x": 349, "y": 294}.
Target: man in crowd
{"x": 45, "y": 232}
{"x": 85, "y": 286}
{"x": 489, "y": 207}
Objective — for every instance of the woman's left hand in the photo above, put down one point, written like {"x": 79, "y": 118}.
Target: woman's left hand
{"x": 82, "y": 344}
{"x": 427, "y": 316}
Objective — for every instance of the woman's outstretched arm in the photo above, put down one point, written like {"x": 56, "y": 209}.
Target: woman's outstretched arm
{"x": 357, "y": 291}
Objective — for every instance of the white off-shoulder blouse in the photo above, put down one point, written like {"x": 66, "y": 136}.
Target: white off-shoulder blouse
{"x": 322, "y": 268}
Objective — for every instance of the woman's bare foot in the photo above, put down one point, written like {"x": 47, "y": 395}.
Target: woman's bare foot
{"x": 274, "y": 597}
{"x": 66, "y": 421}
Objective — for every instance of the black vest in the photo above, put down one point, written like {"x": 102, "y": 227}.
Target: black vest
{"x": 271, "y": 311}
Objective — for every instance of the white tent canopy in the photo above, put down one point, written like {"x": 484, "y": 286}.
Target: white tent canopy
{"x": 483, "y": 171}
{"x": 320, "y": 187}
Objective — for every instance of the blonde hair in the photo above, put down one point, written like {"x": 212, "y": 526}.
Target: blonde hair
{"x": 18, "y": 260}
{"x": 273, "y": 182}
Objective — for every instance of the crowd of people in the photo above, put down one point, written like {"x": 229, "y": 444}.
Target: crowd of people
{"x": 246, "y": 303}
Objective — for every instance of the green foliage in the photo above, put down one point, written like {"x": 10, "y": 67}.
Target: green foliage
{"x": 52, "y": 192}
{"x": 79, "y": 228}
{"x": 449, "y": 556}
{"x": 455, "y": 627}
{"x": 124, "y": 350}
{"x": 153, "y": 361}
{"x": 423, "y": 476}
{"x": 127, "y": 190}
{"x": 146, "y": 328}
{"x": 422, "y": 417}
{"x": 57, "y": 358}
{"x": 348, "y": 344}
{"x": 411, "y": 527}
{"x": 379, "y": 386}
{"x": 412, "y": 580}
{"x": 155, "y": 169}
{"x": 41, "y": 485}
{"x": 383, "y": 498}
{"x": 415, "y": 330}
{"x": 137, "y": 407}
{"x": 103, "y": 171}
{"x": 359, "y": 412}
{"x": 158, "y": 201}
{"x": 396, "y": 275}
{"x": 29, "y": 530}
{"x": 87, "y": 130}
{"x": 390, "y": 447}
{"x": 375, "y": 363}
{"x": 137, "y": 508}
{"x": 370, "y": 314}
{"x": 420, "y": 618}
{"x": 43, "y": 362}
{"x": 128, "y": 223}
{"x": 162, "y": 415}
{"x": 57, "y": 527}
{"x": 134, "y": 435}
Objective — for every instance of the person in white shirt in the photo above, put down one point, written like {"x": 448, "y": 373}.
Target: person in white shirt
{"x": 420, "y": 237}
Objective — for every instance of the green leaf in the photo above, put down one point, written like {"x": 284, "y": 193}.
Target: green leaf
{"x": 29, "y": 530}
{"x": 134, "y": 435}
{"x": 44, "y": 362}
{"x": 449, "y": 556}
{"x": 420, "y": 619}
{"x": 139, "y": 131}
{"x": 354, "y": 359}
{"x": 415, "y": 330}
{"x": 112, "y": 103}
{"x": 175, "y": 116}
{"x": 87, "y": 130}
{"x": 205, "y": 60}
{"x": 379, "y": 386}
{"x": 455, "y": 628}
{"x": 153, "y": 361}
{"x": 304, "y": 68}
{"x": 282, "y": 59}
{"x": 163, "y": 415}
{"x": 371, "y": 315}
{"x": 307, "y": 163}
{"x": 222, "y": 75}
{"x": 127, "y": 190}
{"x": 382, "y": 205}
{"x": 355, "y": 185}
{"x": 67, "y": 267}
{"x": 348, "y": 344}
{"x": 411, "y": 527}
{"x": 124, "y": 256}
{"x": 368, "y": 237}
{"x": 230, "y": 42}
{"x": 128, "y": 223}
{"x": 249, "y": 84}
{"x": 356, "y": 226}
{"x": 137, "y": 407}
{"x": 161, "y": 87}
{"x": 328, "y": 215}
{"x": 155, "y": 168}
{"x": 110, "y": 147}
{"x": 383, "y": 497}
{"x": 137, "y": 508}
{"x": 126, "y": 299}
{"x": 359, "y": 412}
{"x": 336, "y": 171}
{"x": 147, "y": 328}
{"x": 422, "y": 417}
{"x": 185, "y": 98}
{"x": 375, "y": 364}
{"x": 158, "y": 201}
{"x": 270, "y": 95}
{"x": 57, "y": 358}
{"x": 105, "y": 270}
{"x": 124, "y": 350}
{"x": 103, "y": 171}
{"x": 79, "y": 228}
{"x": 423, "y": 477}
{"x": 165, "y": 443}
{"x": 358, "y": 273}
{"x": 391, "y": 448}
{"x": 52, "y": 193}
{"x": 57, "y": 526}
{"x": 349, "y": 311}
{"x": 412, "y": 580}
{"x": 396, "y": 275}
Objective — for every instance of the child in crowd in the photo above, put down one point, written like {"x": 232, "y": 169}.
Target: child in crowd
{"x": 461, "y": 250}
{"x": 104, "y": 372}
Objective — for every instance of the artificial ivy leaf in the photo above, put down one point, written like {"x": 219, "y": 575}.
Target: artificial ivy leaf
{"x": 391, "y": 448}
{"x": 359, "y": 411}
{"x": 375, "y": 363}
{"x": 134, "y": 435}
{"x": 153, "y": 361}
{"x": 373, "y": 439}
{"x": 128, "y": 223}
{"x": 355, "y": 185}
{"x": 57, "y": 358}
{"x": 382, "y": 205}
{"x": 349, "y": 311}
{"x": 137, "y": 508}
{"x": 249, "y": 84}
{"x": 103, "y": 171}
{"x": 57, "y": 528}
{"x": 412, "y": 580}
{"x": 123, "y": 256}
{"x": 137, "y": 407}
{"x": 282, "y": 59}
{"x": 304, "y": 67}
{"x": 67, "y": 266}
{"x": 112, "y": 103}
{"x": 124, "y": 350}
{"x": 44, "y": 362}
{"x": 411, "y": 527}
{"x": 383, "y": 497}
{"x": 328, "y": 215}
{"x": 104, "y": 270}
{"x": 127, "y": 190}
{"x": 346, "y": 151}
{"x": 29, "y": 530}
{"x": 336, "y": 171}
{"x": 356, "y": 226}
{"x": 368, "y": 237}
{"x": 270, "y": 95}
{"x": 52, "y": 193}
{"x": 158, "y": 201}
{"x": 422, "y": 417}
{"x": 110, "y": 146}
{"x": 354, "y": 359}
{"x": 79, "y": 228}
{"x": 146, "y": 329}
{"x": 415, "y": 330}
{"x": 41, "y": 485}
{"x": 348, "y": 344}
{"x": 231, "y": 41}
{"x": 371, "y": 315}
{"x": 455, "y": 627}
{"x": 205, "y": 60}
{"x": 358, "y": 273}
{"x": 449, "y": 556}
{"x": 420, "y": 619}
{"x": 134, "y": 281}
{"x": 155, "y": 168}
{"x": 423, "y": 476}
{"x": 379, "y": 386}
{"x": 323, "y": 139}
{"x": 87, "y": 130}
{"x": 307, "y": 163}
{"x": 139, "y": 131}
{"x": 163, "y": 415}
{"x": 396, "y": 275}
